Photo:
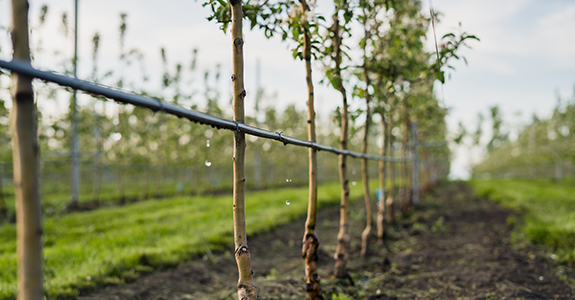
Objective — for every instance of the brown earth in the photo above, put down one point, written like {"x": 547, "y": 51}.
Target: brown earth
{"x": 455, "y": 246}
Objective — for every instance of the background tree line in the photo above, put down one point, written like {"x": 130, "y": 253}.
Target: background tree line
{"x": 542, "y": 148}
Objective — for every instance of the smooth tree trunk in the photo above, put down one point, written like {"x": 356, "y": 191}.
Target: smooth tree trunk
{"x": 364, "y": 166}
{"x": 25, "y": 159}
{"x": 381, "y": 200}
{"x": 310, "y": 240}
{"x": 246, "y": 288}
{"x": 391, "y": 174}
{"x": 366, "y": 192}
{"x": 365, "y": 177}
{"x": 343, "y": 237}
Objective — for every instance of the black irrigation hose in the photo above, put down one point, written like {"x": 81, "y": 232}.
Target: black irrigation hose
{"x": 156, "y": 105}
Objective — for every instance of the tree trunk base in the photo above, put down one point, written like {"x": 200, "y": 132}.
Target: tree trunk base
{"x": 310, "y": 256}
{"x": 73, "y": 207}
{"x": 365, "y": 237}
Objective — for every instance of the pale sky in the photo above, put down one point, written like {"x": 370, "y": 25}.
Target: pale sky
{"x": 526, "y": 53}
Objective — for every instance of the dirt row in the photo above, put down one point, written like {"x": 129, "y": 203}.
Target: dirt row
{"x": 455, "y": 246}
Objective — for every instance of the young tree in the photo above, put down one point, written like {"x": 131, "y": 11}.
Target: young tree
{"x": 25, "y": 157}
{"x": 336, "y": 54}
{"x": 311, "y": 241}
{"x": 368, "y": 19}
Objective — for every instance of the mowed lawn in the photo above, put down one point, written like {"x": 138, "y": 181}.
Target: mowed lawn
{"x": 90, "y": 249}
{"x": 549, "y": 211}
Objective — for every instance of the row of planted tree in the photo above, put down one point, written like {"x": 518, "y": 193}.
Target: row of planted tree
{"x": 540, "y": 149}
{"x": 394, "y": 80}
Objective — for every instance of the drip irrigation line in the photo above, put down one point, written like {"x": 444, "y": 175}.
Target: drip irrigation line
{"x": 156, "y": 105}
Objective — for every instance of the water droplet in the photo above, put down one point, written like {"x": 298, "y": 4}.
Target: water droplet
{"x": 541, "y": 278}
{"x": 208, "y": 143}
{"x": 287, "y": 180}
{"x": 208, "y": 163}
{"x": 288, "y": 203}
{"x": 353, "y": 183}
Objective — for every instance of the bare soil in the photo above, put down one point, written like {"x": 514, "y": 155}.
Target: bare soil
{"x": 455, "y": 246}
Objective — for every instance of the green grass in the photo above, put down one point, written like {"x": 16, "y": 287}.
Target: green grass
{"x": 109, "y": 245}
{"x": 55, "y": 199}
{"x": 548, "y": 209}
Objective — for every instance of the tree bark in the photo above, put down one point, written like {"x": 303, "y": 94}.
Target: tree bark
{"x": 25, "y": 159}
{"x": 246, "y": 288}
{"x": 310, "y": 240}
{"x": 364, "y": 166}
{"x": 366, "y": 192}
{"x": 343, "y": 238}
{"x": 381, "y": 200}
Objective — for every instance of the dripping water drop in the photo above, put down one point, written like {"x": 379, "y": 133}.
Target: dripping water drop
{"x": 288, "y": 203}
{"x": 208, "y": 163}
{"x": 208, "y": 143}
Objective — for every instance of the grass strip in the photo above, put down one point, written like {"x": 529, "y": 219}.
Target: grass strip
{"x": 110, "y": 245}
{"x": 548, "y": 209}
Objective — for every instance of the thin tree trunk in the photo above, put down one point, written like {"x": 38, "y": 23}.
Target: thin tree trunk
{"x": 343, "y": 238}
{"x": 364, "y": 167}
{"x": 365, "y": 178}
{"x": 381, "y": 201}
{"x": 246, "y": 288}
{"x": 391, "y": 170}
{"x": 310, "y": 239}
{"x": 366, "y": 193}
{"x": 25, "y": 158}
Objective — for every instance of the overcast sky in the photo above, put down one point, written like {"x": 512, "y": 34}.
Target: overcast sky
{"x": 526, "y": 54}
